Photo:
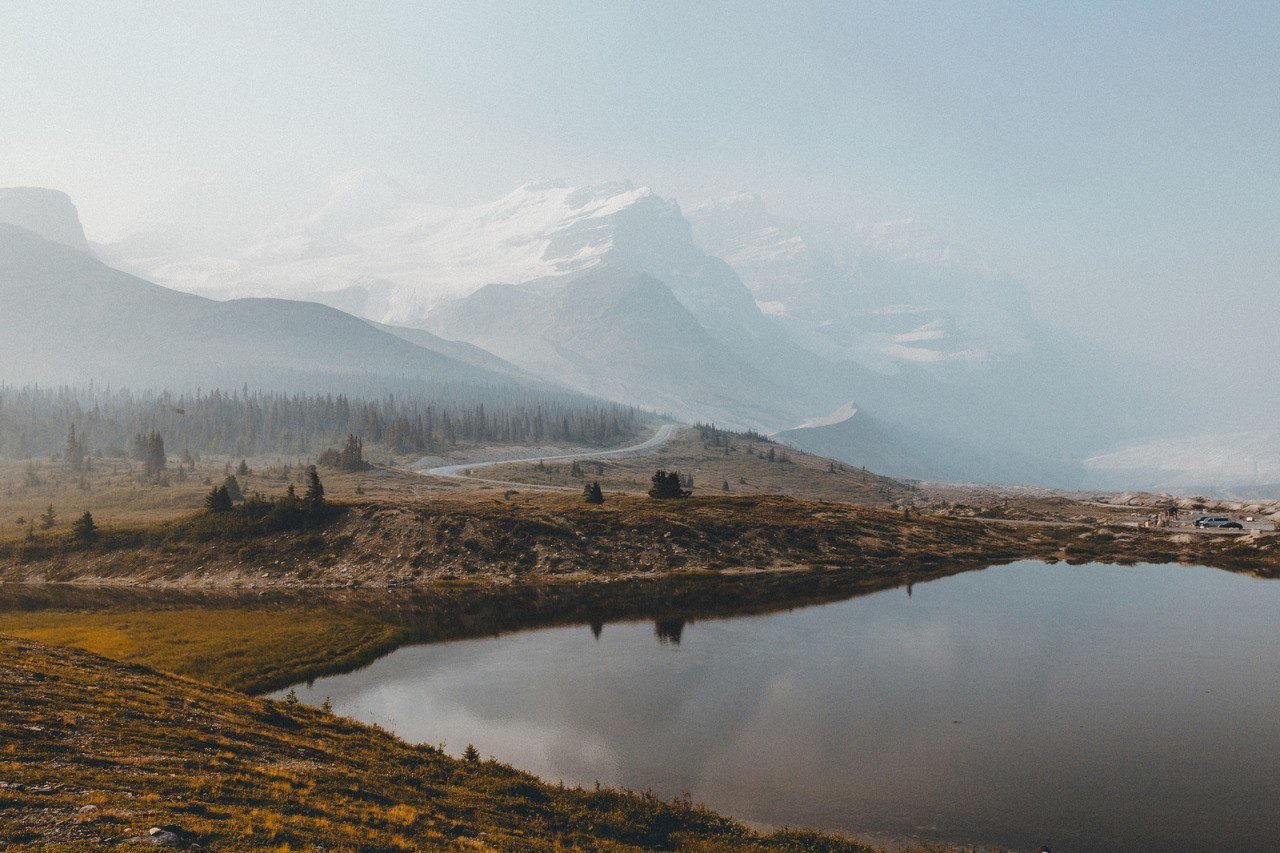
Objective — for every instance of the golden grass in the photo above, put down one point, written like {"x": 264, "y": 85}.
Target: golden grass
{"x": 232, "y": 772}
{"x": 239, "y": 648}
{"x": 803, "y": 475}
{"x": 114, "y": 492}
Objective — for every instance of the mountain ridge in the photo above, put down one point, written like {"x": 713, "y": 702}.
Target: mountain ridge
{"x": 71, "y": 318}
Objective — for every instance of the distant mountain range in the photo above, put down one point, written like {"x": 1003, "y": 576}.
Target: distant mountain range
{"x": 879, "y": 344}
{"x": 65, "y": 317}
{"x": 515, "y": 277}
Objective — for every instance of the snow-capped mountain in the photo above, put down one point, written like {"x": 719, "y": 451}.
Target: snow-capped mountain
{"x": 405, "y": 255}
{"x": 882, "y": 294}
{"x": 767, "y": 324}
{"x": 374, "y": 249}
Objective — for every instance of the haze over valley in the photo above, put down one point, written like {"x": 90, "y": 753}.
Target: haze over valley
{"x": 878, "y": 344}
{"x": 639, "y": 426}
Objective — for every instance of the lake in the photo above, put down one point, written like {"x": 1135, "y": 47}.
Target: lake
{"x": 1083, "y": 707}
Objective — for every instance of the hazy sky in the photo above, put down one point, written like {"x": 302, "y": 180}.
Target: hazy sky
{"x": 1121, "y": 159}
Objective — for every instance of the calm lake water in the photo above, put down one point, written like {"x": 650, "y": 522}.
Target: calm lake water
{"x": 1083, "y": 707}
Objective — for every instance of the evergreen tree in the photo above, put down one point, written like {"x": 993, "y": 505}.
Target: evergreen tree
{"x": 313, "y": 497}
{"x": 243, "y": 468}
{"x": 149, "y": 450}
{"x": 84, "y": 528}
{"x": 724, "y": 487}
{"x": 667, "y": 484}
{"x": 351, "y": 456}
{"x": 592, "y": 493}
{"x": 232, "y": 485}
{"x": 218, "y": 501}
{"x": 48, "y": 518}
{"x": 74, "y": 453}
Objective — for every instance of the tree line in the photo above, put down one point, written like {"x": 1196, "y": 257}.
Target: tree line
{"x": 34, "y": 421}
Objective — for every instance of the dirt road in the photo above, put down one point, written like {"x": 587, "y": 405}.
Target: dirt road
{"x": 463, "y": 471}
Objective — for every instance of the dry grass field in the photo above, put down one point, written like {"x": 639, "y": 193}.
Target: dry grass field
{"x": 728, "y": 464}
{"x": 115, "y": 492}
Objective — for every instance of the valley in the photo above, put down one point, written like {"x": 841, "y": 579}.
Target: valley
{"x": 693, "y": 427}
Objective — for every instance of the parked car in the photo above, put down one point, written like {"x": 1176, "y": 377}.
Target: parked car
{"x": 1217, "y": 521}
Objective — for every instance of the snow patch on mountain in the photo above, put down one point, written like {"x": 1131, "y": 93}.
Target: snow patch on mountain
{"x": 375, "y": 245}
{"x": 881, "y": 294}
{"x": 1240, "y": 462}
{"x": 839, "y": 416}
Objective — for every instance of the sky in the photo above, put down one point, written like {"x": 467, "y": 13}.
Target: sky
{"x": 1120, "y": 159}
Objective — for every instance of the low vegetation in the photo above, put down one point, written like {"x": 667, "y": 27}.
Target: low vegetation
{"x": 98, "y": 753}
{"x": 714, "y": 461}
{"x": 243, "y": 645}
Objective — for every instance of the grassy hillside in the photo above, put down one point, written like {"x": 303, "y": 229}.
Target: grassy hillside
{"x": 65, "y": 317}
{"x": 716, "y": 459}
{"x": 96, "y": 753}
{"x": 475, "y": 538}
{"x": 482, "y": 539}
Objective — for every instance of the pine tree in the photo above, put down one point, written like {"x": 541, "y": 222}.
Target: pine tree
{"x": 313, "y": 497}
{"x": 667, "y": 485}
{"x": 218, "y": 501}
{"x": 48, "y": 518}
{"x": 84, "y": 528}
{"x": 232, "y": 486}
{"x": 724, "y": 487}
{"x": 243, "y": 468}
{"x": 149, "y": 450}
{"x": 592, "y": 493}
{"x": 74, "y": 454}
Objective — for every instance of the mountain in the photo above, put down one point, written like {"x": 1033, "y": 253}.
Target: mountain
{"x": 65, "y": 317}
{"x": 618, "y": 335}
{"x": 952, "y": 354}
{"x": 372, "y": 248}
{"x": 861, "y": 439}
{"x": 723, "y": 313}
{"x": 48, "y": 213}
{"x": 1241, "y": 464}
{"x": 886, "y": 295}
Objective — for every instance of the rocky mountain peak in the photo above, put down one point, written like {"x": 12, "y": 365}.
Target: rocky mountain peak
{"x": 48, "y": 213}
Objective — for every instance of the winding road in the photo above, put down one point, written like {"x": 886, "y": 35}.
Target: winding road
{"x": 461, "y": 471}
